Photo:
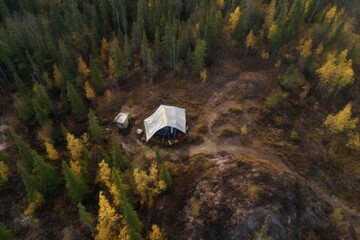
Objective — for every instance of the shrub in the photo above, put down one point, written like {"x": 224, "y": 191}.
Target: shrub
{"x": 272, "y": 100}
{"x": 294, "y": 136}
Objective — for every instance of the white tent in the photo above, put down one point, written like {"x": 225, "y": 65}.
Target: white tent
{"x": 165, "y": 116}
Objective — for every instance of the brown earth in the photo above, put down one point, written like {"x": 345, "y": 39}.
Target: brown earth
{"x": 226, "y": 186}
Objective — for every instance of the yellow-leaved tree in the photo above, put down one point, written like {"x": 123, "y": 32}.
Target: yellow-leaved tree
{"x": 34, "y": 204}
{"x": 74, "y": 145}
{"x": 89, "y": 91}
{"x": 305, "y": 47}
{"x": 83, "y": 69}
{"x": 250, "y": 41}
{"x": 51, "y": 151}
{"x": 341, "y": 121}
{"x": 4, "y": 172}
{"x": 104, "y": 174}
{"x": 156, "y": 233}
{"x": 337, "y": 72}
{"x": 148, "y": 185}
{"x": 108, "y": 219}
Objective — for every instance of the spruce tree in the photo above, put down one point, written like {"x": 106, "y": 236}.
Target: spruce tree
{"x": 132, "y": 221}
{"x": 199, "y": 56}
{"x": 47, "y": 179}
{"x": 165, "y": 176}
{"x": 96, "y": 79}
{"x": 25, "y": 152}
{"x": 85, "y": 217}
{"x": 29, "y": 181}
{"x": 118, "y": 159}
{"x": 76, "y": 186}
{"x": 78, "y": 108}
{"x": 95, "y": 130}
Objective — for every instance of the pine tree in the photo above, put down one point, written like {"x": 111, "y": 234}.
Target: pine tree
{"x": 47, "y": 179}
{"x": 77, "y": 104}
{"x": 275, "y": 37}
{"x": 118, "y": 159}
{"x": 199, "y": 56}
{"x": 107, "y": 219}
{"x": 165, "y": 176}
{"x": 132, "y": 221}
{"x": 95, "y": 130}
{"x": 128, "y": 55}
{"x": 42, "y": 104}
{"x": 76, "y": 186}
{"x": 51, "y": 151}
{"x": 96, "y": 80}
{"x": 295, "y": 19}
{"x": 119, "y": 190}
{"x": 144, "y": 49}
{"x": 85, "y": 217}
{"x": 29, "y": 181}
{"x": 157, "y": 46}
{"x": 25, "y": 152}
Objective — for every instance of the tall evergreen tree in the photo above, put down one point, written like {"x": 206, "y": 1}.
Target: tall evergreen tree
{"x": 199, "y": 56}
{"x": 29, "y": 181}
{"x": 78, "y": 108}
{"x": 25, "y": 152}
{"x": 118, "y": 159}
{"x": 96, "y": 80}
{"x": 47, "y": 179}
{"x": 95, "y": 130}
{"x": 76, "y": 186}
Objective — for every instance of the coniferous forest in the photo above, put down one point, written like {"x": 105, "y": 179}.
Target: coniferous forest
{"x": 271, "y": 92}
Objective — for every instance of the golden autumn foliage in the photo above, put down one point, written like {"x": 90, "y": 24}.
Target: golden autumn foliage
{"x": 329, "y": 17}
{"x": 305, "y": 47}
{"x": 104, "y": 174}
{"x": 156, "y": 233}
{"x": 337, "y": 72}
{"x": 203, "y": 76}
{"x": 51, "y": 151}
{"x": 342, "y": 121}
{"x": 89, "y": 91}
{"x": 319, "y": 50}
{"x": 234, "y": 19}
{"x": 74, "y": 145}
{"x": 272, "y": 30}
{"x": 112, "y": 67}
{"x": 75, "y": 167}
{"x": 57, "y": 76}
{"x": 354, "y": 141}
{"x": 4, "y": 172}
{"x": 36, "y": 203}
{"x": 270, "y": 13}
{"x": 83, "y": 69}
{"x": 250, "y": 40}
{"x": 107, "y": 220}
{"x": 221, "y": 3}
{"x": 148, "y": 185}
{"x": 265, "y": 55}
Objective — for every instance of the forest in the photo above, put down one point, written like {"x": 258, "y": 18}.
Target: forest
{"x": 271, "y": 93}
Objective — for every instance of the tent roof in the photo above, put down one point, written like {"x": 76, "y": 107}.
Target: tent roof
{"x": 165, "y": 116}
{"x": 121, "y": 118}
